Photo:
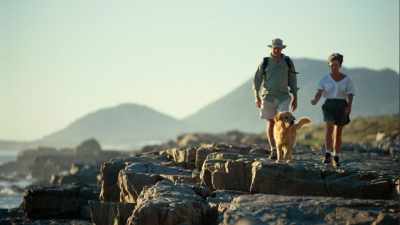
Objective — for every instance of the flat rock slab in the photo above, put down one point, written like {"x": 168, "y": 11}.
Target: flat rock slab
{"x": 169, "y": 204}
{"x": 137, "y": 175}
{"x": 300, "y": 178}
{"x": 264, "y": 209}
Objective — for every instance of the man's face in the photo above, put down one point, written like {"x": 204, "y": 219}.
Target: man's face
{"x": 276, "y": 51}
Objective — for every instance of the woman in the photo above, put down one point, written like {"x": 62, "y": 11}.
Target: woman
{"x": 338, "y": 89}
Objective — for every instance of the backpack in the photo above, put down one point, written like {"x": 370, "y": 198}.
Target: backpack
{"x": 288, "y": 61}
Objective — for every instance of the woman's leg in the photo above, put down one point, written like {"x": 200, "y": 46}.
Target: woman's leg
{"x": 338, "y": 138}
{"x": 328, "y": 141}
{"x": 329, "y": 136}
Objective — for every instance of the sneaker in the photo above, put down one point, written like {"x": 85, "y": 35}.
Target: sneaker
{"x": 336, "y": 161}
{"x": 327, "y": 159}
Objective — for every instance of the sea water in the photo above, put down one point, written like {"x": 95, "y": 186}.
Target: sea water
{"x": 9, "y": 197}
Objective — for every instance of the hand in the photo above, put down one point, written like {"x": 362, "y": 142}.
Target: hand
{"x": 294, "y": 104}
{"x": 258, "y": 103}
{"x": 314, "y": 101}
{"x": 348, "y": 110}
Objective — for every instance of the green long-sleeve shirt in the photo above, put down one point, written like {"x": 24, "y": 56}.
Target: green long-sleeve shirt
{"x": 275, "y": 80}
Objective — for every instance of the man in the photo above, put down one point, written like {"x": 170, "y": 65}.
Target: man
{"x": 271, "y": 81}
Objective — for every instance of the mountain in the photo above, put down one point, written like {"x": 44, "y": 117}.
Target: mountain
{"x": 128, "y": 125}
{"x": 377, "y": 92}
{"x": 121, "y": 127}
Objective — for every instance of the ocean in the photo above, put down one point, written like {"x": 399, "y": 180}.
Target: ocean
{"x": 9, "y": 196}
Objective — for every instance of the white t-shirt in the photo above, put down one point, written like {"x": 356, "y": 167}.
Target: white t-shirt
{"x": 336, "y": 89}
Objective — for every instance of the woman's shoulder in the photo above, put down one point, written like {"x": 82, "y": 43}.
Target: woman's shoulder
{"x": 325, "y": 78}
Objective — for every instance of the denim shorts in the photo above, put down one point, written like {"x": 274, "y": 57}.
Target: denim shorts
{"x": 334, "y": 110}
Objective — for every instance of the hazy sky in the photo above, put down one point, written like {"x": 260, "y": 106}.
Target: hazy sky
{"x": 63, "y": 59}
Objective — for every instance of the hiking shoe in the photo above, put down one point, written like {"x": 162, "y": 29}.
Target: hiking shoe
{"x": 336, "y": 161}
{"x": 327, "y": 159}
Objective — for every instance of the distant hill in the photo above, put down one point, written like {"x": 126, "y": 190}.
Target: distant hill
{"x": 121, "y": 126}
{"x": 377, "y": 93}
{"x": 127, "y": 125}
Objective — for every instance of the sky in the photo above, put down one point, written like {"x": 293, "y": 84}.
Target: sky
{"x": 60, "y": 60}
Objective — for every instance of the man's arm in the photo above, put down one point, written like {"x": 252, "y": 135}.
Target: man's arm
{"x": 292, "y": 79}
{"x": 257, "y": 83}
{"x": 292, "y": 83}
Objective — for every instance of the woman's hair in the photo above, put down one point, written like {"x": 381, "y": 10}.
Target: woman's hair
{"x": 336, "y": 56}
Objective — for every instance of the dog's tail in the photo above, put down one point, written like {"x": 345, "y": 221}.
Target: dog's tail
{"x": 302, "y": 121}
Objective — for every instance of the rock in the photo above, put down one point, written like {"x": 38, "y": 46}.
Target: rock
{"x": 56, "y": 202}
{"x": 182, "y": 156}
{"x": 109, "y": 170}
{"x": 169, "y": 204}
{"x": 387, "y": 219}
{"x": 390, "y": 144}
{"x": 47, "y": 165}
{"x": 88, "y": 149}
{"x": 233, "y": 137}
{"x": 110, "y": 213}
{"x": 24, "y": 221}
{"x": 220, "y": 201}
{"x": 78, "y": 174}
{"x": 299, "y": 178}
{"x": 196, "y": 139}
{"x": 137, "y": 175}
{"x": 204, "y": 150}
{"x": 227, "y": 171}
{"x": 276, "y": 209}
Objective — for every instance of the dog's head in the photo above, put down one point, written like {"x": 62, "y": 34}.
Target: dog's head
{"x": 285, "y": 117}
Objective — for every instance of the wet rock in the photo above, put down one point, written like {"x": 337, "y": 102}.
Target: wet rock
{"x": 106, "y": 213}
{"x": 57, "y": 202}
{"x": 169, "y": 204}
{"x": 276, "y": 209}
{"x": 137, "y": 175}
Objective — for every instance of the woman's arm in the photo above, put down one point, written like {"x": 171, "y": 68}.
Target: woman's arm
{"x": 317, "y": 97}
{"x": 349, "y": 103}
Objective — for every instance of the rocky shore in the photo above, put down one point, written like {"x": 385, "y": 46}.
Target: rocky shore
{"x": 201, "y": 179}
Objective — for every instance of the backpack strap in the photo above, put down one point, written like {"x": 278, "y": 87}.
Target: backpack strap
{"x": 264, "y": 64}
{"x": 287, "y": 59}
{"x": 289, "y": 63}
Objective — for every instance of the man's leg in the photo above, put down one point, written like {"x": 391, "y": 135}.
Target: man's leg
{"x": 270, "y": 137}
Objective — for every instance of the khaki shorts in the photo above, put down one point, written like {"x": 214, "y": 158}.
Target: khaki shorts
{"x": 269, "y": 109}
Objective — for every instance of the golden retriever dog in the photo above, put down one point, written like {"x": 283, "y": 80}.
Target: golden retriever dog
{"x": 285, "y": 134}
